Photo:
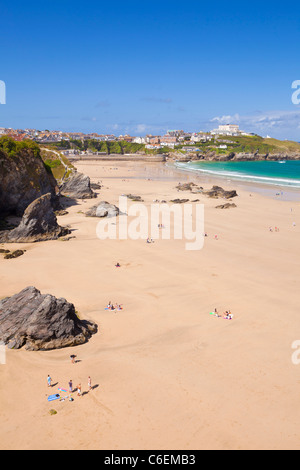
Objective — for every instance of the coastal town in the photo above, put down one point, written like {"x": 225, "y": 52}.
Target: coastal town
{"x": 170, "y": 139}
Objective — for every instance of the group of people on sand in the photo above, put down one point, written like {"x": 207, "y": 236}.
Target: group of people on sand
{"x": 111, "y": 306}
{"x": 70, "y": 385}
{"x": 226, "y": 315}
{"x": 78, "y": 388}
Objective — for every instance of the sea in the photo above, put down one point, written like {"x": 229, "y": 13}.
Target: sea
{"x": 284, "y": 174}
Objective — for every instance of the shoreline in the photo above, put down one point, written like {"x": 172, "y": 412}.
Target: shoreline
{"x": 168, "y": 171}
{"x": 263, "y": 188}
{"x": 167, "y": 374}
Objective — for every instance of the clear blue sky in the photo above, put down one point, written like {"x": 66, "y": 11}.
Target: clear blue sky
{"x": 144, "y": 67}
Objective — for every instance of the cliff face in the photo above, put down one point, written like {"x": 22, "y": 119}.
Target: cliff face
{"x": 23, "y": 178}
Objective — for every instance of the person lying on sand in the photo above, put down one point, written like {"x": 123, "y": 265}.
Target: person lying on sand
{"x": 110, "y": 306}
{"x": 228, "y": 315}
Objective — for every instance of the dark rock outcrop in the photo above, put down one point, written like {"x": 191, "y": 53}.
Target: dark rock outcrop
{"x": 14, "y": 254}
{"x": 41, "y": 322}
{"x": 186, "y": 186}
{"x": 77, "y": 186}
{"x": 218, "y": 192}
{"x": 23, "y": 178}
{"x": 214, "y": 192}
{"x": 95, "y": 186}
{"x": 38, "y": 223}
{"x": 134, "y": 197}
{"x": 179, "y": 201}
{"x": 228, "y": 205}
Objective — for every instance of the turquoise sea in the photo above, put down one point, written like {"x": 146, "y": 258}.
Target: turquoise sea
{"x": 285, "y": 173}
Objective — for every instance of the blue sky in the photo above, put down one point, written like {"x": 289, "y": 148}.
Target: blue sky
{"x": 142, "y": 67}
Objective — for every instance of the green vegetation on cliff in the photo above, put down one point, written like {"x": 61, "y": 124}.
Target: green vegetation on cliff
{"x": 56, "y": 163}
{"x": 108, "y": 147}
{"x": 257, "y": 144}
{"x": 247, "y": 144}
{"x": 12, "y": 147}
{"x": 23, "y": 176}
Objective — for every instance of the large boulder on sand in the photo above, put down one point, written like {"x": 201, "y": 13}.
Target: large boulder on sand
{"x": 103, "y": 209}
{"x": 77, "y": 186}
{"x": 41, "y": 322}
{"x": 38, "y": 223}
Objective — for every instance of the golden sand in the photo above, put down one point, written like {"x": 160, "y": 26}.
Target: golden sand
{"x": 165, "y": 373}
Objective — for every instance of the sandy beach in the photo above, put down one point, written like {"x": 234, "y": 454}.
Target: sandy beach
{"x": 166, "y": 374}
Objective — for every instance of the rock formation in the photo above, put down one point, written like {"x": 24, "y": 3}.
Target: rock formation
{"x": 41, "y": 322}
{"x": 38, "y": 223}
{"x": 77, "y": 186}
{"x": 228, "y": 205}
{"x": 214, "y": 192}
{"x": 218, "y": 192}
{"x": 103, "y": 209}
{"x": 179, "y": 201}
{"x": 134, "y": 197}
{"x": 186, "y": 186}
{"x": 23, "y": 178}
{"x": 14, "y": 254}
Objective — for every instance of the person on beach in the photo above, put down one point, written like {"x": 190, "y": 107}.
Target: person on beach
{"x": 70, "y": 386}
{"x": 89, "y": 383}
{"x": 79, "y": 390}
{"x": 73, "y": 358}
{"x": 49, "y": 381}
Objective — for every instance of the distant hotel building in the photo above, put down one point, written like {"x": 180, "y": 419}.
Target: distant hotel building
{"x": 229, "y": 129}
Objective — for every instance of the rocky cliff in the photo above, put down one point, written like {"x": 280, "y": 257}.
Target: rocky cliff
{"x": 38, "y": 223}
{"x": 77, "y": 186}
{"x": 23, "y": 178}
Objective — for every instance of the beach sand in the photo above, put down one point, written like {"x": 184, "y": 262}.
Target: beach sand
{"x": 166, "y": 374}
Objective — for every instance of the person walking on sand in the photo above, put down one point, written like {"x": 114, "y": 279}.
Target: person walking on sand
{"x": 79, "y": 390}
{"x": 72, "y": 357}
{"x": 70, "y": 386}
{"x": 89, "y": 384}
{"x": 49, "y": 381}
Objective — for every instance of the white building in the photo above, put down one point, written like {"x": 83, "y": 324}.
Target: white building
{"x": 229, "y": 129}
{"x": 200, "y": 137}
{"x": 139, "y": 140}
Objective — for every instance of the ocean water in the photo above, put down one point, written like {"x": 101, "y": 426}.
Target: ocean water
{"x": 285, "y": 173}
